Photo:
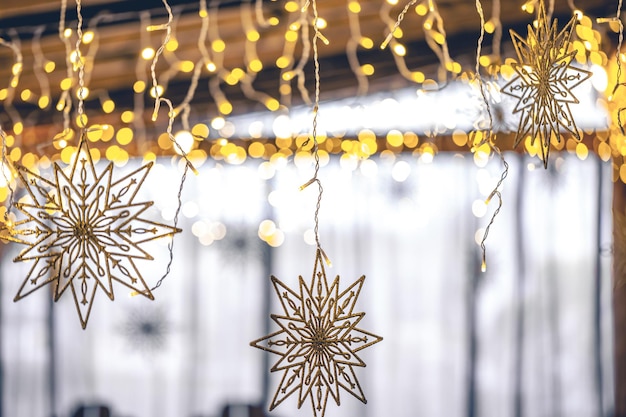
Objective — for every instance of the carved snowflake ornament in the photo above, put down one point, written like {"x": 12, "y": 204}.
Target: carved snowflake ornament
{"x": 84, "y": 231}
{"x": 318, "y": 340}
{"x": 544, "y": 81}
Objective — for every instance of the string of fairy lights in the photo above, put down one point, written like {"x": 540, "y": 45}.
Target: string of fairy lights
{"x": 585, "y": 42}
{"x": 223, "y": 140}
{"x": 217, "y": 140}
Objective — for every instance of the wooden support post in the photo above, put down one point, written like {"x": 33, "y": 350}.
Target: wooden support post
{"x": 619, "y": 296}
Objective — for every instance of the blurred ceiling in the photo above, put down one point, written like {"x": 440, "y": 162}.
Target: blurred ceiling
{"x": 121, "y": 35}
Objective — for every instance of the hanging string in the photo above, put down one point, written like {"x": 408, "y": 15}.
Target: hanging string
{"x": 171, "y": 115}
{"x": 16, "y": 71}
{"x": 81, "y": 68}
{"x": 204, "y": 62}
{"x": 298, "y": 71}
{"x": 258, "y": 11}
{"x": 170, "y": 245}
{"x": 158, "y": 99}
{"x": 618, "y": 59}
{"x": 39, "y": 61}
{"x": 397, "y": 24}
{"x": 5, "y": 164}
{"x": 356, "y": 39}
{"x": 489, "y": 138}
{"x": 434, "y": 35}
{"x": 65, "y": 101}
{"x": 496, "y": 43}
{"x": 619, "y": 63}
{"x": 317, "y": 35}
{"x": 481, "y": 85}
{"x": 251, "y": 59}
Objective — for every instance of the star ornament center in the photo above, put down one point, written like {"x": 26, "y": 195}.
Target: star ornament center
{"x": 318, "y": 340}
{"x": 84, "y": 230}
{"x": 543, "y": 82}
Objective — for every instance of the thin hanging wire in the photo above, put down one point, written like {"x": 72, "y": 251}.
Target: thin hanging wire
{"x": 80, "y": 109}
{"x": 618, "y": 60}
{"x": 317, "y": 35}
{"x": 16, "y": 71}
{"x": 489, "y": 139}
{"x": 65, "y": 101}
{"x": 184, "y": 107}
{"x": 158, "y": 99}
{"x": 170, "y": 245}
{"x": 397, "y": 24}
{"x": 171, "y": 115}
{"x": 6, "y": 166}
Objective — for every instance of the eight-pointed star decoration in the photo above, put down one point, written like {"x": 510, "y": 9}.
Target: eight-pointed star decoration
{"x": 318, "y": 340}
{"x": 84, "y": 231}
{"x": 544, "y": 81}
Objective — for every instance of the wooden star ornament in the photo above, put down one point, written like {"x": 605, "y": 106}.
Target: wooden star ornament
{"x": 318, "y": 340}
{"x": 544, "y": 80}
{"x": 84, "y": 231}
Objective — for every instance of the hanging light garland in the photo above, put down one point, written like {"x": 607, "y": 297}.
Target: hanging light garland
{"x": 487, "y": 138}
{"x": 318, "y": 340}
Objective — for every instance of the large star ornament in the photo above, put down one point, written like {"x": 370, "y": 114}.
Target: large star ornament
{"x": 84, "y": 231}
{"x": 544, "y": 81}
{"x": 318, "y": 340}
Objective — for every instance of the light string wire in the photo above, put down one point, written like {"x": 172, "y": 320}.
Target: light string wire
{"x": 141, "y": 76}
{"x": 397, "y": 24}
{"x": 171, "y": 115}
{"x": 184, "y": 108}
{"x": 298, "y": 71}
{"x": 251, "y": 57}
{"x": 258, "y": 12}
{"x": 6, "y": 164}
{"x": 81, "y": 69}
{"x": 16, "y": 71}
{"x": 618, "y": 59}
{"x": 399, "y": 60}
{"x": 39, "y": 61}
{"x": 352, "y": 47}
{"x": 496, "y": 42}
{"x": 5, "y": 159}
{"x": 158, "y": 98}
{"x": 65, "y": 101}
{"x": 317, "y": 35}
{"x": 438, "y": 46}
{"x": 224, "y": 106}
{"x": 489, "y": 139}
{"x": 287, "y": 73}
